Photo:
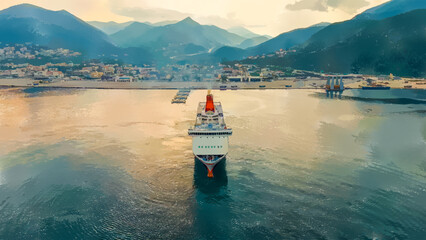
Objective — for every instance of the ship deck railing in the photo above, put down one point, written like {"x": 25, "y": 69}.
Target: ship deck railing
{"x": 195, "y": 132}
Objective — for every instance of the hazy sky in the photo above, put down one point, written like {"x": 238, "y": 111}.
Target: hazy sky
{"x": 261, "y": 16}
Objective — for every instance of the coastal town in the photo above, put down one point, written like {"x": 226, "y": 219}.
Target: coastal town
{"x": 18, "y": 67}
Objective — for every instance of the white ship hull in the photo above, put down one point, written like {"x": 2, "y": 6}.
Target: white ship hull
{"x": 210, "y": 149}
{"x": 210, "y": 144}
{"x": 210, "y": 161}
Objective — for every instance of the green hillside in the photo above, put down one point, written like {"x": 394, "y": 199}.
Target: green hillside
{"x": 395, "y": 45}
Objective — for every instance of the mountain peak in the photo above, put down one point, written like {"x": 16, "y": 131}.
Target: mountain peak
{"x": 23, "y": 6}
{"x": 26, "y": 10}
{"x": 190, "y": 21}
{"x": 321, "y": 24}
{"x": 390, "y": 9}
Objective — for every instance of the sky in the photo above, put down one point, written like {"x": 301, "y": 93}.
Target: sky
{"x": 270, "y": 17}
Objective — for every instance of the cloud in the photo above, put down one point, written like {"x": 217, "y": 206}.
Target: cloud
{"x": 151, "y": 14}
{"x": 139, "y": 10}
{"x": 349, "y": 6}
{"x": 225, "y": 22}
{"x": 316, "y": 5}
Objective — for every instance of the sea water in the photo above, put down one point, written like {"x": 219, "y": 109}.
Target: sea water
{"x": 118, "y": 164}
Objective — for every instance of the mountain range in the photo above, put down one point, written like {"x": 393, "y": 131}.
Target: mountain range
{"x": 323, "y": 35}
{"x": 113, "y": 27}
{"x": 110, "y": 27}
{"x": 341, "y": 32}
{"x": 339, "y": 47}
{"x": 251, "y": 42}
{"x": 391, "y": 8}
{"x": 287, "y": 40}
{"x": 283, "y": 41}
{"x": 180, "y": 41}
{"x": 244, "y": 32}
{"x": 184, "y": 32}
{"x": 57, "y": 29}
{"x": 158, "y": 42}
{"x": 392, "y": 45}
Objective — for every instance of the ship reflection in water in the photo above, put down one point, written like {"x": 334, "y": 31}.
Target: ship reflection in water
{"x": 212, "y": 211}
{"x": 334, "y": 94}
{"x": 209, "y": 185}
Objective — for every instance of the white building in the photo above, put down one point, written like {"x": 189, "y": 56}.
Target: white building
{"x": 124, "y": 79}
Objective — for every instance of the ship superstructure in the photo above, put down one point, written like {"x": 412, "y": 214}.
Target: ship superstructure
{"x": 210, "y": 135}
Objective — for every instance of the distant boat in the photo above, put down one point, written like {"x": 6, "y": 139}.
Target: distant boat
{"x": 376, "y": 87}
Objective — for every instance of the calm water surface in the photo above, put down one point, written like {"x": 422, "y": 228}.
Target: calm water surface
{"x": 113, "y": 164}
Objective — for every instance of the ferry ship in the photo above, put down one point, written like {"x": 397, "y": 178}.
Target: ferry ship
{"x": 210, "y": 135}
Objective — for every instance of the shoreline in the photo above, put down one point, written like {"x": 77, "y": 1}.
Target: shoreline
{"x": 313, "y": 84}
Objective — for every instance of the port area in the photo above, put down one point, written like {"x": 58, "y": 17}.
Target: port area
{"x": 181, "y": 96}
{"x": 276, "y": 84}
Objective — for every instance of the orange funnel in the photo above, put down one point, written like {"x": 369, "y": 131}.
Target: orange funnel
{"x": 209, "y": 103}
{"x": 210, "y": 173}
